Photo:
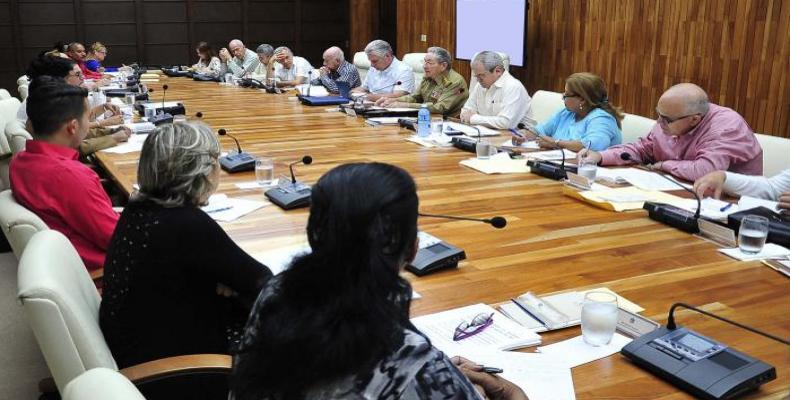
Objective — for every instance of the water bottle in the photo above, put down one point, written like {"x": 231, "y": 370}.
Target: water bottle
{"x": 424, "y": 121}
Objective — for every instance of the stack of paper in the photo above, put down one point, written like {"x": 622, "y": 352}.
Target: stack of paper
{"x": 469, "y": 130}
{"x": 552, "y": 155}
{"x": 133, "y": 144}
{"x": 640, "y": 178}
{"x": 623, "y": 199}
{"x": 223, "y": 208}
{"x": 500, "y": 163}
{"x": 503, "y": 334}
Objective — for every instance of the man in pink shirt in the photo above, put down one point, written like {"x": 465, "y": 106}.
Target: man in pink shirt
{"x": 48, "y": 178}
{"x": 692, "y": 138}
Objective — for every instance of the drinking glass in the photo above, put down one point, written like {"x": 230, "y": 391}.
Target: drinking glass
{"x": 484, "y": 149}
{"x": 264, "y": 171}
{"x": 129, "y": 98}
{"x": 436, "y": 126}
{"x": 752, "y": 234}
{"x": 599, "y": 318}
{"x": 179, "y": 118}
{"x": 588, "y": 169}
{"x": 229, "y": 78}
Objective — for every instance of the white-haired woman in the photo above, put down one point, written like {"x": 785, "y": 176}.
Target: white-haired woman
{"x": 174, "y": 282}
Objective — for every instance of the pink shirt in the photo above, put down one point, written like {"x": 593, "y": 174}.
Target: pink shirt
{"x": 721, "y": 141}
{"x": 50, "y": 181}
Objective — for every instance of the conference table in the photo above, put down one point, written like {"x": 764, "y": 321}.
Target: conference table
{"x": 552, "y": 242}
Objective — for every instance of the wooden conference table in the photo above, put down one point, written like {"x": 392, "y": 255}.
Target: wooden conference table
{"x": 551, "y": 243}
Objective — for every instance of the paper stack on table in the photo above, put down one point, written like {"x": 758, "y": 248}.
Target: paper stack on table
{"x": 133, "y": 144}
{"x": 500, "y": 163}
{"x": 640, "y": 178}
{"x": 223, "y": 208}
{"x": 625, "y": 198}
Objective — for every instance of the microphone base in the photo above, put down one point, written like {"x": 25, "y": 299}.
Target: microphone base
{"x": 549, "y": 170}
{"x": 160, "y": 119}
{"x": 673, "y": 216}
{"x": 237, "y": 162}
{"x": 289, "y": 200}
{"x": 464, "y": 144}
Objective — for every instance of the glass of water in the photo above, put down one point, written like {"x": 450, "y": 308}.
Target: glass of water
{"x": 264, "y": 171}
{"x": 437, "y": 124}
{"x": 229, "y": 78}
{"x": 130, "y": 98}
{"x": 599, "y": 318}
{"x": 484, "y": 149}
{"x": 588, "y": 169}
{"x": 752, "y": 234}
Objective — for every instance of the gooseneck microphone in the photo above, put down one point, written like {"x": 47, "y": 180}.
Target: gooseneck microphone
{"x": 306, "y": 160}
{"x": 309, "y": 82}
{"x": 497, "y": 222}
{"x": 672, "y": 326}
{"x": 398, "y": 83}
{"x": 223, "y": 132}
{"x": 164, "y": 93}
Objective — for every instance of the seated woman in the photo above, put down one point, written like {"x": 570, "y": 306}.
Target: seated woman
{"x": 96, "y": 55}
{"x": 174, "y": 282}
{"x": 587, "y": 121}
{"x": 207, "y": 64}
{"x": 335, "y": 324}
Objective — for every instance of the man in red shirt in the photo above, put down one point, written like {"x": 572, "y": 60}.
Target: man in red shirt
{"x": 76, "y": 51}
{"x": 48, "y": 178}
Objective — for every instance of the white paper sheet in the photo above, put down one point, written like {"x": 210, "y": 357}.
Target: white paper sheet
{"x": 500, "y": 163}
{"x": 711, "y": 208}
{"x": 383, "y": 120}
{"x": 770, "y": 250}
{"x": 748, "y": 202}
{"x": 470, "y": 131}
{"x": 574, "y": 352}
{"x": 570, "y": 156}
{"x": 315, "y": 90}
{"x": 135, "y": 143}
{"x": 640, "y": 178}
{"x": 529, "y": 144}
{"x": 254, "y": 185}
{"x": 541, "y": 377}
{"x": 223, "y": 208}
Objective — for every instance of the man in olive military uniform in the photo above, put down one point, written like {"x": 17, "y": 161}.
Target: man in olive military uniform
{"x": 442, "y": 89}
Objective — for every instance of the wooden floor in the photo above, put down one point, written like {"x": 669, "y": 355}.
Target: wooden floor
{"x": 551, "y": 242}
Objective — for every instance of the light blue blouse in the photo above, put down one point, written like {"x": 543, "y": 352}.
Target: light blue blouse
{"x": 597, "y": 131}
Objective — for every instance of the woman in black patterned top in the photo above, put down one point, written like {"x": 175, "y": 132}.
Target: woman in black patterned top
{"x": 335, "y": 324}
{"x": 174, "y": 282}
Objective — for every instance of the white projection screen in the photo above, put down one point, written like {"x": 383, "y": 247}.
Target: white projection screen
{"x": 499, "y": 25}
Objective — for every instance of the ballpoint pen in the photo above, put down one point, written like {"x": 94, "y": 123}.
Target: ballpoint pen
{"x": 727, "y": 207}
{"x": 219, "y": 209}
{"x": 491, "y": 370}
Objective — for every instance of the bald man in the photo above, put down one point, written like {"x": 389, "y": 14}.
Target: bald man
{"x": 691, "y": 138}
{"x": 239, "y": 61}
{"x": 336, "y": 68}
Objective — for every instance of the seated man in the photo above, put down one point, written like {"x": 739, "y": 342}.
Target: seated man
{"x": 99, "y": 136}
{"x": 692, "y": 138}
{"x": 265, "y": 68}
{"x": 442, "y": 89}
{"x": 385, "y": 73}
{"x": 775, "y": 188}
{"x": 500, "y": 101}
{"x": 239, "y": 61}
{"x": 336, "y": 68}
{"x": 76, "y": 52}
{"x": 49, "y": 180}
{"x": 290, "y": 70}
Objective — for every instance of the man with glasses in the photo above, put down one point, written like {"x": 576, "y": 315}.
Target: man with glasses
{"x": 500, "y": 101}
{"x": 691, "y": 138}
{"x": 239, "y": 61}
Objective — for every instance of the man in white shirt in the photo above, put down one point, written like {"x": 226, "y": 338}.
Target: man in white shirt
{"x": 290, "y": 70}
{"x": 385, "y": 73}
{"x": 775, "y": 188}
{"x": 239, "y": 61}
{"x": 500, "y": 101}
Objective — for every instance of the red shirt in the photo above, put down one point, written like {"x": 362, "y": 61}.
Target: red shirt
{"x": 67, "y": 195}
{"x": 88, "y": 74}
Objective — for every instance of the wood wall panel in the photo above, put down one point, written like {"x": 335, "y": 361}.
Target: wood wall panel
{"x": 364, "y": 23}
{"x": 737, "y": 50}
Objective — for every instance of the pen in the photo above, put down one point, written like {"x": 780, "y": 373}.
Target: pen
{"x": 515, "y": 132}
{"x": 219, "y": 209}
{"x": 727, "y": 207}
{"x": 491, "y": 370}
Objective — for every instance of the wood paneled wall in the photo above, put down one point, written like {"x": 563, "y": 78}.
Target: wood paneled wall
{"x": 166, "y": 31}
{"x": 737, "y": 50}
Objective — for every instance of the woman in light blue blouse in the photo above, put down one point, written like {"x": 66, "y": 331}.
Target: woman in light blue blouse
{"x": 587, "y": 121}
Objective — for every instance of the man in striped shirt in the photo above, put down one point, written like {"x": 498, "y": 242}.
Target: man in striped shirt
{"x": 336, "y": 68}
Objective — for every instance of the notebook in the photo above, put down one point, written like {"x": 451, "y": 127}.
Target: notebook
{"x": 345, "y": 96}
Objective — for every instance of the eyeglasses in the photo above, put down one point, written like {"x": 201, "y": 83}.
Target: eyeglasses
{"x": 566, "y": 95}
{"x": 668, "y": 120}
{"x": 470, "y": 328}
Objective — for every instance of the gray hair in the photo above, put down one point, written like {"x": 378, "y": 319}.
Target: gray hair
{"x": 442, "y": 56}
{"x": 284, "y": 49}
{"x": 175, "y": 165}
{"x": 265, "y": 49}
{"x": 378, "y": 48}
{"x": 337, "y": 52}
{"x": 489, "y": 60}
{"x": 697, "y": 104}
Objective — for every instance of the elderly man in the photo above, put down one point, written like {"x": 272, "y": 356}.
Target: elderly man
{"x": 500, "y": 101}
{"x": 265, "y": 68}
{"x": 50, "y": 181}
{"x": 239, "y": 61}
{"x": 290, "y": 70}
{"x": 336, "y": 68}
{"x": 385, "y": 73}
{"x": 442, "y": 89}
{"x": 691, "y": 138}
{"x": 76, "y": 52}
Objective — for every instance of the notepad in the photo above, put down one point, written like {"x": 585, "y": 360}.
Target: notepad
{"x": 500, "y": 163}
{"x": 225, "y": 209}
{"x": 503, "y": 334}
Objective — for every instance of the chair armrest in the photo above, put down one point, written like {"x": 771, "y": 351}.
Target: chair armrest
{"x": 178, "y": 366}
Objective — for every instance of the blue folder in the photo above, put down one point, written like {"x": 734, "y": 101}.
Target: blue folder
{"x": 345, "y": 97}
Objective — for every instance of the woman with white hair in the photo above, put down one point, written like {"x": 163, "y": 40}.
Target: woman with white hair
{"x": 174, "y": 282}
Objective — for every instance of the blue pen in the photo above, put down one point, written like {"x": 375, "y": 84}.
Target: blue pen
{"x": 515, "y": 132}
{"x": 727, "y": 207}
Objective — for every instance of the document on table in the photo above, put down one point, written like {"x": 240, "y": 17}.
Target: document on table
{"x": 770, "y": 250}
{"x": 500, "y": 163}
{"x": 503, "y": 334}
{"x": 254, "y": 185}
{"x": 315, "y": 90}
{"x": 748, "y": 202}
{"x": 625, "y": 198}
{"x": 382, "y": 121}
{"x": 223, "y": 208}
{"x": 640, "y": 178}
{"x": 469, "y": 130}
{"x": 552, "y": 155}
{"x": 529, "y": 144}
{"x": 133, "y": 144}
{"x": 711, "y": 208}
{"x": 158, "y": 104}
{"x": 575, "y": 352}
{"x": 541, "y": 377}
